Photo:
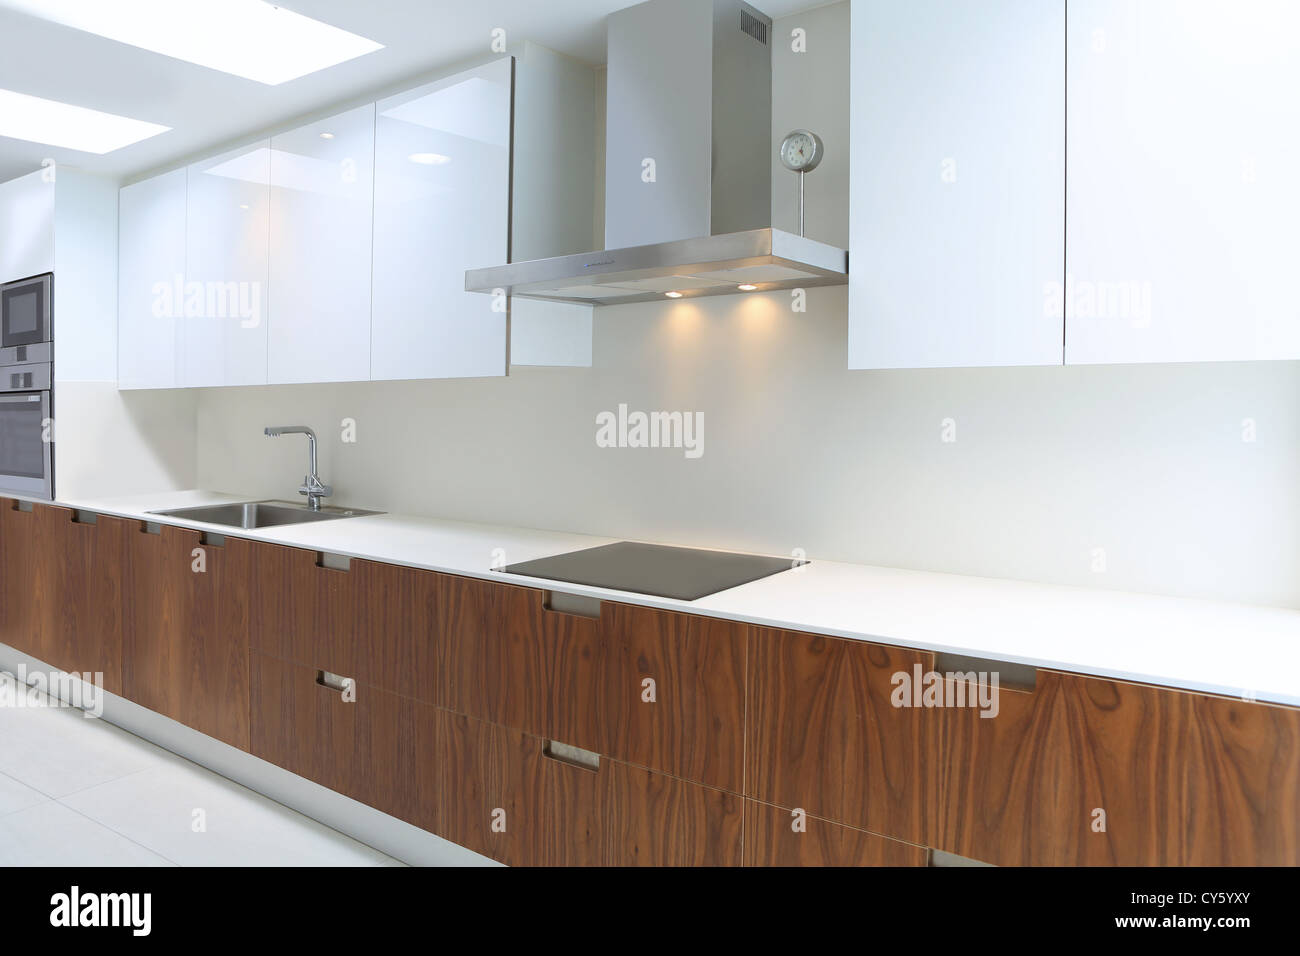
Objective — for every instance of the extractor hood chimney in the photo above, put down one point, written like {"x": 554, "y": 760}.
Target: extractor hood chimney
{"x": 688, "y": 163}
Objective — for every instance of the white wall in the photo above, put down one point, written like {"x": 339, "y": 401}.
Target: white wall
{"x": 1145, "y": 462}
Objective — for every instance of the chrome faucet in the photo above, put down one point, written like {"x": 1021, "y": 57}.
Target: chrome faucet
{"x": 312, "y": 486}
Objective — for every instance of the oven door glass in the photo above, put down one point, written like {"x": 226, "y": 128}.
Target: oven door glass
{"x": 24, "y": 313}
{"x": 25, "y": 456}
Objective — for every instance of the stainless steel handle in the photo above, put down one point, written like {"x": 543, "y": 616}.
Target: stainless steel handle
{"x": 335, "y": 682}
{"x": 571, "y": 755}
{"x": 1021, "y": 677}
{"x": 561, "y": 602}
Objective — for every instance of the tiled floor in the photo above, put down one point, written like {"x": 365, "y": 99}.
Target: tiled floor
{"x": 81, "y": 792}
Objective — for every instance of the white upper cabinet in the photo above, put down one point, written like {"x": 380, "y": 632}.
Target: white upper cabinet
{"x": 442, "y": 205}
{"x": 957, "y": 198}
{"x": 322, "y": 181}
{"x": 151, "y": 276}
{"x": 27, "y": 226}
{"x": 1184, "y": 146}
{"x": 222, "y": 338}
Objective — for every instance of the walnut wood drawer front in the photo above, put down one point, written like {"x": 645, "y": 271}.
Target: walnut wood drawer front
{"x": 377, "y": 748}
{"x": 385, "y": 625}
{"x": 61, "y": 597}
{"x": 22, "y": 576}
{"x": 654, "y": 688}
{"x": 658, "y": 820}
{"x": 824, "y": 737}
{"x": 506, "y": 796}
{"x": 775, "y": 836}
{"x": 1090, "y": 771}
{"x": 185, "y": 637}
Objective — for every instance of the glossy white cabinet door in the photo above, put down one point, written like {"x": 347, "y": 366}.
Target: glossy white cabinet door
{"x": 957, "y": 203}
{"x": 1184, "y": 193}
{"x": 222, "y": 337}
{"x": 150, "y": 284}
{"x": 26, "y": 226}
{"x": 322, "y": 178}
{"x": 442, "y": 205}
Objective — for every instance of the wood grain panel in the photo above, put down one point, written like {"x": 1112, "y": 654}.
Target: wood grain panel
{"x": 301, "y": 612}
{"x": 1012, "y": 786}
{"x": 695, "y": 725}
{"x": 378, "y": 749}
{"x": 27, "y": 583}
{"x": 472, "y": 767}
{"x": 538, "y": 671}
{"x": 185, "y": 646}
{"x": 381, "y": 624}
{"x": 824, "y": 737}
{"x": 771, "y": 839}
{"x": 1183, "y": 779}
{"x": 658, "y": 820}
{"x": 62, "y": 597}
{"x": 505, "y": 798}
{"x": 84, "y": 631}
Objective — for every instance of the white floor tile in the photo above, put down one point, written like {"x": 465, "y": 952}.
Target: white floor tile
{"x": 50, "y": 834}
{"x": 58, "y": 750}
{"x": 119, "y": 800}
{"x": 156, "y": 808}
{"x": 15, "y": 796}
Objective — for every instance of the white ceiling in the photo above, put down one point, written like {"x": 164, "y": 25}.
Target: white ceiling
{"x": 206, "y": 108}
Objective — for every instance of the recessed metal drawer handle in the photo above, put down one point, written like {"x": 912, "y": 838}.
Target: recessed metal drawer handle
{"x": 1021, "y": 677}
{"x": 561, "y": 602}
{"x": 333, "y": 681}
{"x": 573, "y": 756}
{"x": 333, "y": 562}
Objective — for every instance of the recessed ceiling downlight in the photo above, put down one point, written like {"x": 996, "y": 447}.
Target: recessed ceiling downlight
{"x": 53, "y": 123}
{"x": 248, "y": 38}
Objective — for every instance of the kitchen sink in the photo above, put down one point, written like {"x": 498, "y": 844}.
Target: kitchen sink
{"x": 262, "y": 514}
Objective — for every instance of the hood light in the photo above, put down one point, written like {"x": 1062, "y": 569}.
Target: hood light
{"x": 746, "y": 287}
{"x": 673, "y": 295}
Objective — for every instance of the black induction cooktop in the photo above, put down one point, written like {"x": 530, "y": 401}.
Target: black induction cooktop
{"x": 681, "y": 573}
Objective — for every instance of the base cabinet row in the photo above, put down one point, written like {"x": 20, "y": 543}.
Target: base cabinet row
{"x": 492, "y": 789}
{"x": 718, "y": 743}
{"x": 654, "y": 688}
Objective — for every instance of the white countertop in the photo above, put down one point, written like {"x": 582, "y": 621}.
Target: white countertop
{"x": 1233, "y": 649}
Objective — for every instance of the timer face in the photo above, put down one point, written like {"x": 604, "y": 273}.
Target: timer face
{"x": 801, "y": 151}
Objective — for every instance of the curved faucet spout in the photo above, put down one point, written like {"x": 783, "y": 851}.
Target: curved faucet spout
{"x": 312, "y": 486}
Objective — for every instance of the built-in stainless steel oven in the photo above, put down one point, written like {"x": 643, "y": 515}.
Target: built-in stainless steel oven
{"x": 26, "y": 314}
{"x": 26, "y": 431}
{"x": 27, "y": 387}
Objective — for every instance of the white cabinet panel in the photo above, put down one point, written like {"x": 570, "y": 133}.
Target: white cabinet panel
{"x": 151, "y": 275}
{"x": 26, "y": 227}
{"x": 1184, "y": 144}
{"x": 322, "y": 178}
{"x": 957, "y": 205}
{"x": 222, "y": 338}
{"x": 442, "y": 205}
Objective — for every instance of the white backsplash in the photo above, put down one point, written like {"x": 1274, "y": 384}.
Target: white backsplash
{"x": 1146, "y": 463}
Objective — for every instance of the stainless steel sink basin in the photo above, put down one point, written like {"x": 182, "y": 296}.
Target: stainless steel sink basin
{"x": 261, "y": 514}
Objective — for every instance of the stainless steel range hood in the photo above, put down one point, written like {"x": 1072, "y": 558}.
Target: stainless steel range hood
{"x": 759, "y": 259}
{"x": 688, "y": 162}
